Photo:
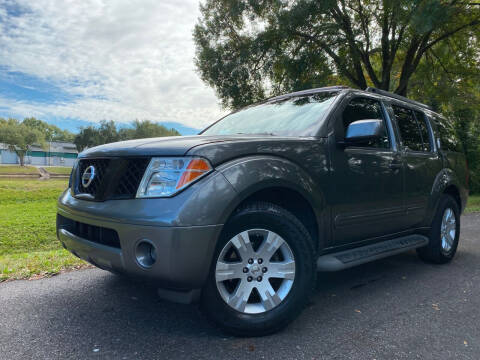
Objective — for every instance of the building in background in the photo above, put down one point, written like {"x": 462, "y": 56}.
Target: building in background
{"x": 56, "y": 153}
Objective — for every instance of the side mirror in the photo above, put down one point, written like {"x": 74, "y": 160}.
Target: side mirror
{"x": 363, "y": 131}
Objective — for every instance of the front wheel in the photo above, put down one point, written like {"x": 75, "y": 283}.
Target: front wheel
{"x": 444, "y": 233}
{"x": 262, "y": 273}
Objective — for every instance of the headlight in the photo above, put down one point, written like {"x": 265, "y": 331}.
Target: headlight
{"x": 166, "y": 176}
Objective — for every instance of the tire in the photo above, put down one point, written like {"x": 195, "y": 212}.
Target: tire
{"x": 258, "y": 222}
{"x": 442, "y": 248}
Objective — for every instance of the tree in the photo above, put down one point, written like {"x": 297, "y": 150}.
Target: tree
{"x": 20, "y": 137}
{"x": 92, "y": 136}
{"x": 246, "y": 48}
{"x": 448, "y": 79}
{"x": 87, "y": 137}
{"x": 146, "y": 129}
{"x": 107, "y": 132}
{"x": 52, "y": 132}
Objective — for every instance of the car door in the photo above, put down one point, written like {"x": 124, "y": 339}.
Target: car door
{"x": 367, "y": 189}
{"x": 422, "y": 162}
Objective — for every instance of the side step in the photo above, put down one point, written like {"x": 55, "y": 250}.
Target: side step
{"x": 349, "y": 258}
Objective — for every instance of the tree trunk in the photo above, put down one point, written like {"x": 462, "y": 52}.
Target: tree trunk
{"x": 21, "y": 157}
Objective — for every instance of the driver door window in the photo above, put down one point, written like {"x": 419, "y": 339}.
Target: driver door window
{"x": 363, "y": 109}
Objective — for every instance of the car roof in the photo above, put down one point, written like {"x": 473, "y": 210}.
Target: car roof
{"x": 380, "y": 94}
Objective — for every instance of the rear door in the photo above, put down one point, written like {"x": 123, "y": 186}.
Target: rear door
{"x": 422, "y": 162}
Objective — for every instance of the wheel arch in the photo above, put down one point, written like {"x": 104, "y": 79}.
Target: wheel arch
{"x": 453, "y": 191}
{"x": 445, "y": 183}
{"x": 283, "y": 183}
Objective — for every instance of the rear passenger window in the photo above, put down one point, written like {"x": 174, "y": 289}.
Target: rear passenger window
{"x": 363, "y": 109}
{"x": 421, "y": 119}
{"x": 409, "y": 129}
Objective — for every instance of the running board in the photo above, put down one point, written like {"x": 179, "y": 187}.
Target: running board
{"x": 349, "y": 258}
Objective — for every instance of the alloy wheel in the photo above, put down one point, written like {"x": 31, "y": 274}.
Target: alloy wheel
{"x": 255, "y": 271}
{"x": 448, "y": 230}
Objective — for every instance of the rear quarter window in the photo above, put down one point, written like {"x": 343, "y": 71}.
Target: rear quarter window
{"x": 445, "y": 132}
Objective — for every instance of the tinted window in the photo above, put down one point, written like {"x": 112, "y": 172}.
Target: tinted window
{"x": 446, "y": 133}
{"x": 409, "y": 129}
{"x": 427, "y": 146}
{"x": 363, "y": 109}
{"x": 293, "y": 116}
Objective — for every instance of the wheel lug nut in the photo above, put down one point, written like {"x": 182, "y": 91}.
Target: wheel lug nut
{"x": 260, "y": 261}
{"x": 250, "y": 261}
{"x": 264, "y": 270}
{"x": 249, "y": 278}
{"x": 259, "y": 278}
{"x": 245, "y": 270}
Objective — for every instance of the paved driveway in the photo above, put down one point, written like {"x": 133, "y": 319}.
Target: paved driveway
{"x": 397, "y": 308}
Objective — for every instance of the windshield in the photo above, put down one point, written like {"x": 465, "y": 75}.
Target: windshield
{"x": 295, "y": 116}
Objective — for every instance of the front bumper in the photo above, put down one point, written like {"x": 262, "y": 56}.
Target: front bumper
{"x": 184, "y": 254}
{"x": 183, "y": 229}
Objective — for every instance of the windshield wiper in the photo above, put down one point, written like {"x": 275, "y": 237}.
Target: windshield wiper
{"x": 265, "y": 133}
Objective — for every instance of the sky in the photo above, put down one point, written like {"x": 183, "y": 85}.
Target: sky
{"x": 76, "y": 62}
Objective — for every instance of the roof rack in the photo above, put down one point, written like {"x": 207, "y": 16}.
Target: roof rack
{"x": 396, "y": 96}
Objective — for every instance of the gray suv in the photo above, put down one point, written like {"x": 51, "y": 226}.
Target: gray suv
{"x": 242, "y": 216}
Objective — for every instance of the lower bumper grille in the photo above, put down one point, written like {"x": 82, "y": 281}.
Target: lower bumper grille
{"x": 97, "y": 234}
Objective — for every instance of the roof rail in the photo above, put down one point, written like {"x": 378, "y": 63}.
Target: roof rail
{"x": 309, "y": 91}
{"x": 396, "y": 96}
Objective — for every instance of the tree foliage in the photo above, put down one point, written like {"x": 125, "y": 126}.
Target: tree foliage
{"x": 448, "y": 79}
{"x": 108, "y": 132}
{"x": 247, "y": 49}
{"x": 51, "y": 132}
{"x": 20, "y": 137}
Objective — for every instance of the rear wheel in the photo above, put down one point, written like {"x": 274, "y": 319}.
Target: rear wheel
{"x": 262, "y": 273}
{"x": 444, "y": 233}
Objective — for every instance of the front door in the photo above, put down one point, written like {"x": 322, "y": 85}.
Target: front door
{"x": 367, "y": 179}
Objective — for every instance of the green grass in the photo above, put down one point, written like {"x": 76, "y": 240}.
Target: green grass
{"x": 17, "y": 169}
{"x": 59, "y": 170}
{"x": 28, "y": 243}
{"x": 473, "y": 204}
{"x": 38, "y": 263}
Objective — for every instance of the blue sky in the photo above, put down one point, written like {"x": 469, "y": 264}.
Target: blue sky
{"x": 74, "y": 63}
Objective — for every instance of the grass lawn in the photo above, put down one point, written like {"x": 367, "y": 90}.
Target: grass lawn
{"x": 473, "y": 204}
{"x": 17, "y": 169}
{"x": 59, "y": 170}
{"x": 28, "y": 244}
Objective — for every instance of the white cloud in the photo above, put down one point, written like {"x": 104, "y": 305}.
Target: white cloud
{"x": 122, "y": 59}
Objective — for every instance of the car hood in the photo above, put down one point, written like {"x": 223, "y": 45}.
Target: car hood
{"x": 164, "y": 146}
{"x": 217, "y": 149}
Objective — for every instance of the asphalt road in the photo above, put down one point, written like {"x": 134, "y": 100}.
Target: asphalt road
{"x": 397, "y": 308}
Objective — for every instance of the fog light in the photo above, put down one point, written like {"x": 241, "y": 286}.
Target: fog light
{"x": 145, "y": 254}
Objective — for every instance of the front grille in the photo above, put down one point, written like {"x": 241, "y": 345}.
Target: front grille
{"x": 131, "y": 178}
{"x": 97, "y": 234}
{"x": 100, "y": 166}
{"x": 115, "y": 178}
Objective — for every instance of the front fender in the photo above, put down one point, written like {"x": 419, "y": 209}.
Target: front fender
{"x": 254, "y": 173}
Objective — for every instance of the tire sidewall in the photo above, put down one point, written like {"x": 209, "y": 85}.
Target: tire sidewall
{"x": 436, "y": 234}
{"x": 254, "y": 324}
